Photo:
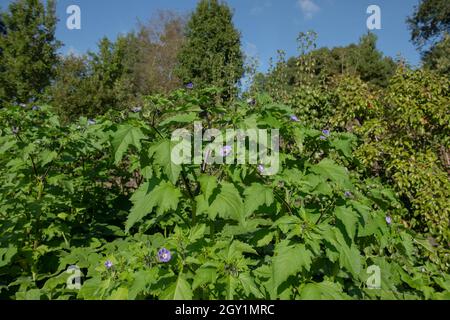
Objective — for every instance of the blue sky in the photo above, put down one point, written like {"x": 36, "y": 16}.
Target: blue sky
{"x": 265, "y": 25}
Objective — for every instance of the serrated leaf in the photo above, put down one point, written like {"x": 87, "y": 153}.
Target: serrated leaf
{"x": 197, "y": 232}
{"x": 228, "y": 204}
{"x": 164, "y": 197}
{"x": 328, "y": 169}
{"x": 179, "y": 290}
{"x": 6, "y": 254}
{"x": 162, "y": 154}
{"x": 125, "y": 136}
{"x": 120, "y": 294}
{"x": 249, "y": 286}
{"x": 349, "y": 220}
{"x": 204, "y": 275}
{"x": 255, "y": 196}
{"x": 46, "y": 157}
{"x": 325, "y": 290}
{"x": 287, "y": 261}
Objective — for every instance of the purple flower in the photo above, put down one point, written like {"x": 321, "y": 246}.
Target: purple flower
{"x": 348, "y": 194}
{"x": 108, "y": 264}
{"x": 164, "y": 255}
{"x": 36, "y": 108}
{"x": 389, "y": 220}
{"x": 190, "y": 85}
{"x": 226, "y": 151}
{"x": 137, "y": 109}
{"x": 261, "y": 169}
{"x": 91, "y": 122}
{"x": 326, "y": 132}
{"x": 323, "y": 138}
{"x": 15, "y": 130}
{"x": 294, "y": 118}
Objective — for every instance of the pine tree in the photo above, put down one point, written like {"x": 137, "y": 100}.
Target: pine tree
{"x": 28, "y": 50}
{"x": 212, "y": 53}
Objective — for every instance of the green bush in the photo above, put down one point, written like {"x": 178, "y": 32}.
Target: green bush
{"x": 106, "y": 197}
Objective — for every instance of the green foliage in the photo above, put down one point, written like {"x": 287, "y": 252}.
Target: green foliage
{"x": 85, "y": 194}
{"x": 437, "y": 58}
{"x": 318, "y": 66}
{"x": 27, "y": 50}
{"x": 363, "y": 183}
{"x": 119, "y": 73}
{"x": 212, "y": 53}
{"x": 405, "y": 134}
{"x": 430, "y": 21}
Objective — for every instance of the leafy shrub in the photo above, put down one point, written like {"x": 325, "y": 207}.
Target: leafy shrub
{"x": 105, "y": 196}
{"x": 405, "y": 136}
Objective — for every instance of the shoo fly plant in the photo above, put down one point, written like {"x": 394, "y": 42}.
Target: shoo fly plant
{"x": 104, "y": 195}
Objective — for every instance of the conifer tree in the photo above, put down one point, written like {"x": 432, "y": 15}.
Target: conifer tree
{"x": 212, "y": 53}
{"x": 28, "y": 49}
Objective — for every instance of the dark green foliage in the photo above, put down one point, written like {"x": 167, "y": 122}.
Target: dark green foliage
{"x": 430, "y": 32}
{"x": 362, "y": 59}
{"x": 438, "y": 57}
{"x": 212, "y": 54}
{"x": 429, "y": 22}
{"x": 28, "y": 50}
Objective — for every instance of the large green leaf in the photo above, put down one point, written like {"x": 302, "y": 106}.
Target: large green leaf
{"x": 164, "y": 197}
{"x": 323, "y": 291}
{"x": 125, "y": 136}
{"x": 349, "y": 256}
{"x": 179, "y": 290}
{"x": 204, "y": 275}
{"x": 328, "y": 169}
{"x": 227, "y": 204}
{"x": 287, "y": 261}
{"x": 349, "y": 219}
{"x": 255, "y": 196}
{"x": 6, "y": 254}
{"x": 162, "y": 154}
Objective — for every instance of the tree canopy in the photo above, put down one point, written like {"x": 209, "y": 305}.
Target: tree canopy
{"x": 29, "y": 50}
{"x": 212, "y": 53}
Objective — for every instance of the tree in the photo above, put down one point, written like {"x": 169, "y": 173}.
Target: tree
{"x": 370, "y": 64}
{"x": 438, "y": 57}
{"x": 362, "y": 59}
{"x": 120, "y": 73}
{"x": 28, "y": 50}
{"x": 430, "y": 32}
{"x": 212, "y": 53}
{"x": 72, "y": 92}
{"x": 159, "y": 42}
{"x": 429, "y": 22}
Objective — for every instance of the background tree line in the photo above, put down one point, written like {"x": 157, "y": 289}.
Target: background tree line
{"x": 171, "y": 50}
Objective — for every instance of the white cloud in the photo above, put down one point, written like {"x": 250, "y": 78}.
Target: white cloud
{"x": 308, "y": 7}
{"x": 257, "y": 10}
